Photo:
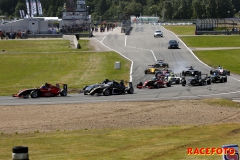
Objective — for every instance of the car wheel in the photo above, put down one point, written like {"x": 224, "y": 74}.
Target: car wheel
{"x": 169, "y": 84}
{"x": 183, "y": 73}
{"x": 145, "y": 72}
{"x": 156, "y": 85}
{"x": 225, "y": 79}
{"x": 221, "y": 80}
{"x": 139, "y": 84}
{"x": 34, "y": 94}
{"x": 106, "y": 92}
{"x": 228, "y": 73}
{"x": 178, "y": 81}
{"x": 63, "y": 93}
{"x": 130, "y": 90}
{"x": 209, "y": 81}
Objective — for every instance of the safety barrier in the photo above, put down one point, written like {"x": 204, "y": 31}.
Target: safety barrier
{"x": 165, "y": 24}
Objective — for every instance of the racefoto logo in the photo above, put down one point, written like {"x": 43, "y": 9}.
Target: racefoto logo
{"x": 228, "y": 152}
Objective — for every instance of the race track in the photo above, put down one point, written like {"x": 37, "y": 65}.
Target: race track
{"x": 143, "y": 49}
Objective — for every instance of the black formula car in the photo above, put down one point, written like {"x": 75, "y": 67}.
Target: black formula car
{"x": 220, "y": 71}
{"x": 162, "y": 64}
{"x": 216, "y": 77}
{"x": 107, "y": 88}
{"x": 196, "y": 80}
{"x": 191, "y": 72}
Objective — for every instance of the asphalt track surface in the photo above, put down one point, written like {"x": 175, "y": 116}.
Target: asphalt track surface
{"x": 143, "y": 49}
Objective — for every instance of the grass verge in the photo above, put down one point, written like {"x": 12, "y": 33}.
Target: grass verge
{"x": 28, "y": 64}
{"x": 211, "y": 41}
{"x": 229, "y": 59}
{"x": 182, "y": 30}
{"x": 143, "y": 143}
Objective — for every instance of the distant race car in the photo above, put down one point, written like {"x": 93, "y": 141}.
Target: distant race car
{"x": 191, "y": 72}
{"x": 46, "y": 90}
{"x": 216, "y": 77}
{"x": 174, "y": 78}
{"x": 221, "y": 71}
{"x": 162, "y": 64}
{"x": 155, "y": 83}
{"x": 107, "y": 88}
{"x": 173, "y": 44}
{"x": 158, "y": 33}
{"x": 169, "y": 75}
{"x": 196, "y": 80}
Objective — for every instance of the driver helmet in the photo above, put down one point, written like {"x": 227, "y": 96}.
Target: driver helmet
{"x": 154, "y": 78}
{"x": 196, "y": 76}
{"x": 191, "y": 67}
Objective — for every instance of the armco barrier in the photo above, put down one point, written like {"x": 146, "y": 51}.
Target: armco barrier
{"x": 216, "y": 32}
{"x": 164, "y": 24}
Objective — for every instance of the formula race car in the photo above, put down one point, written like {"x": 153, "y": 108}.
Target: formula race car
{"x": 221, "y": 71}
{"x": 190, "y": 72}
{"x": 162, "y": 64}
{"x": 46, "y": 90}
{"x": 196, "y": 80}
{"x": 155, "y": 83}
{"x": 174, "y": 78}
{"x": 107, "y": 88}
{"x": 216, "y": 77}
{"x": 169, "y": 75}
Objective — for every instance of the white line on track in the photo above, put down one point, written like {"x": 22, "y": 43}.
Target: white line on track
{"x": 193, "y": 53}
{"x": 130, "y": 79}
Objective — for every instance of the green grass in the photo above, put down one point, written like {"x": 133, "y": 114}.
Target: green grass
{"x": 143, "y": 143}
{"x": 211, "y": 41}
{"x": 182, "y": 30}
{"x": 28, "y": 65}
{"x": 228, "y": 59}
{"x": 31, "y": 64}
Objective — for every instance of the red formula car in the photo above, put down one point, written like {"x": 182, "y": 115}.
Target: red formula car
{"x": 155, "y": 83}
{"x": 46, "y": 90}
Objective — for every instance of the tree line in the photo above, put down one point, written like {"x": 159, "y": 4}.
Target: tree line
{"x": 122, "y": 9}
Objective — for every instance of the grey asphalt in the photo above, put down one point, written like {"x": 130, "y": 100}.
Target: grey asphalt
{"x": 143, "y": 49}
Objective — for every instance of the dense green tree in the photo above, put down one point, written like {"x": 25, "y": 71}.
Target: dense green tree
{"x": 122, "y": 9}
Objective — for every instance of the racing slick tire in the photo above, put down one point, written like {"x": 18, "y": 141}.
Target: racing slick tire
{"x": 106, "y": 92}
{"x": 225, "y": 79}
{"x": 183, "y": 73}
{"x": 178, "y": 81}
{"x": 130, "y": 90}
{"x": 156, "y": 85}
{"x": 169, "y": 84}
{"x": 209, "y": 81}
{"x": 211, "y": 72}
{"x": 221, "y": 80}
{"x": 139, "y": 84}
{"x": 228, "y": 73}
{"x": 34, "y": 94}
{"x": 63, "y": 93}
{"x": 146, "y": 72}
